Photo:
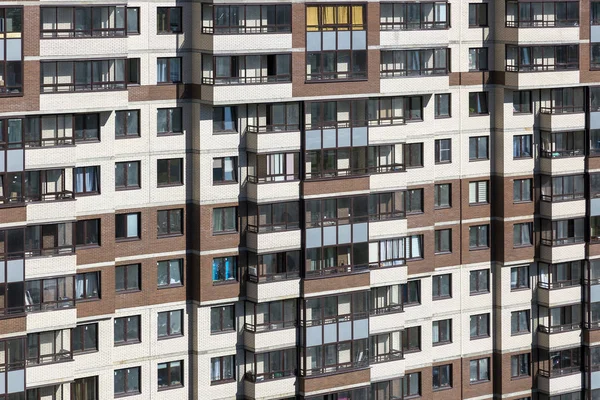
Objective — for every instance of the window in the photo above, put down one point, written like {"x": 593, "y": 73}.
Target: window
{"x": 479, "y": 370}
{"x": 478, "y": 59}
{"x": 85, "y": 338}
{"x": 478, "y": 103}
{"x": 46, "y": 347}
{"x": 564, "y": 274}
{"x": 443, "y": 108}
{"x": 566, "y": 231}
{"x": 43, "y": 294}
{"x": 443, "y": 151}
{"x": 127, "y": 330}
{"x": 522, "y": 146}
{"x": 442, "y": 331}
{"x": 127, "y": 175}
{"x": 42, "y": 185}
{"x": 562, "y": 188}
{"x": 478, "y": 15}
{"x": 273, "y": 217}
{"x": 385, "y": 347}
{"x": 546, "y": 14}
{"x": 413, "y": 108}
{"x": 480, "y": 326}
{"x": 542, "y": 58}
{"x": 170, "y": 374}
{"x": 169, "y": 121}
{"x": 133, "y": 20}
{"x": 519, "y": 322}
{"x": 274, "y": 266}
{"x": 168, "y": 20}
{"x": 523, "y": 234}
{"x": 127, "y": 226}
{"x": 479, "y": 281}
{"x": 275, "y": 315}
{"x": 224, "y": 19}
{"x": 87, "y": 286}
{"x": 169, "y": 222}
{"x": 566, "y": 101}
{"x": 414, "y": 16}
{"x": 250, "y": 69}
{"x": 478, "y": 148}
{"x": 86, "y": 180}
{"x": 222, "y": 369}
{"x": 478, "y": 192}
{"x": 426, "y": 62}
{"x": 225, "y": 119}
{"x": 170, "y": 172}
{"x": 170, "y": 324}
{"x": 127, "y": 277}
{"x": 411, "y": 293}
{"x": 53, "y": 392}
{"x": 170, "y": 273}
{"x": 414, "y": 201}
{"x": 87, "y": 127}
{"x": 414, "y": 155}
{"x": 270, "y": 365}
{"x": 168, "y": 70}
{"x": 85, "y": 388}
{"x": 332, "y": 53}
{"x": 282, "y": 167}
{"x": 127, "y": 381}
{"x": 11, "y": 66}
{"x": 224, "y": 269}
{"x": 563, "y": 362}
{"x": 443, "y": 241}
{"x": 522, "y": 190}
{"x": 411, "y": 339}
{"x": 519, "y": 365}
{"x": 411, "y": 385}
{"x": 83, "y": 75}
{"x": 519, "y": 278}
{"x": 222, "y": 319}
{"x": 133, "y": 71}
{"x": 127, "y": 123}
{"x": 522, "y": 102}
{"x": 442, "y": 195}
{"x": 78, "y": 22}
{"x": 224, "y": 170}
{"x": 88, "y": 232}
{"x": 442, "y": 376}
{"x": 478, "y": 237}
{"x": 224, "y": 220}
{"x": 442, "y": 286}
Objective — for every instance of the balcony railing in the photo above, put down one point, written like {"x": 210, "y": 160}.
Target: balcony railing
{"x": 392, "y": 308}
{"x": 247, "y": 80}
{"x": 563, "y": 241}
{"x": 337, "y": 270}
{"x": 562, "y": 110}
{"x": 274, "y": 277}
{"x": 62, "y": 355}
{"x": 269, "y": 326}
{"x": 268, "y": 376}
{"x": 391, "y": 356}
{"x": 332, "y": 369}
{"x": 335, "y": 319}
{"x": 559, "y": 285}
{"x": 50, "y": 142}
{"x": 53, "y": 251}
{"x": 560, "y": 328}
{"x": 559, "y": 371}
{"x": 63, "y": 195}
{"x": 273, "y": 128}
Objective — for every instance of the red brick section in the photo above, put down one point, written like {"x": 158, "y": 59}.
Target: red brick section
{"x": 318, "y": 383}
{"x": 13, "y": 325}
{"x": 9, "y": 215}
{"x": 505, "y": 384}
{"x": 314, "y": 188}
{"x": 163, "y": 92}
{"x": 344, "y": 282}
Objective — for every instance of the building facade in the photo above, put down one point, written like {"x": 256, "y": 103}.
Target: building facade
{"x": 317, "y": 200}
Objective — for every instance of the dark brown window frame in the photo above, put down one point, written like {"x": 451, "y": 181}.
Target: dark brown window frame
{"x": 74, "y": 33}
{"x": 438, "y": 249}
{"x": 475, "y": 7}
{"x": 169, "y": 333}
{"x": 135, "y": 319}
{"x": 87, "y": 192}
{"x": 80, "y": 331}
{"x": 408, "y": 333}
{"x": 234, "y": 29}
{"x": 16, "y": 90}
{"x": 481, "y": 59}
{"x": 221, "y": 310}
{"x": 126, "y": 125}
{"x": 397, "y": 57}
{"x": 413, "y": 26}
{"x": 438, "y": 151}
{"x": 479, "y": 288}
{"x": 170, "y": 182}
{"x": 84, "y": 225}
{"x": 125, "y": 378}
{"x": 480, "y": 333}
{"x": 437, "y": 194}
{"x": 126, "y": 286}
{"x": 124, "y": 224}
{"x": 170, "y": 216}
{"x": 438, "y": 104}
{"x": 126, "y": 178}
{"x": 91, "y": 86}
{"x": 167, "y": 19}
{"x": 168, "y": 70}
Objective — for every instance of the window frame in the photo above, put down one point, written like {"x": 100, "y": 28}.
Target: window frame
{"x": 134, "y": 319}
{"x": 125, "y": 378}
{"x": 437, "y": 194}
{"x": 439, "y": 158}
{"x": 522, "y": 242}
{"x": 221, "y": 160}
{"x": 520, "y": 143}
{"x": 479, "y": 245}
{"x": 167, "y": 263}
{"x": 122, "y": 225}
{"x": 478, "y": 185}
{"x": 440, "y": 385}
{"x": 137, "y": 31}
{"x": 223, "y": 219}
{"x": 480, "y": 55}
{"x": 167, "y": 19}
{"x": 125, "y": 122}
{"x": 222, "y": 326}
{"x": 475, "y": 7}
{"x": 480, "y": 374}
{"x": 170, "y": 334}
{"x": 170, "y": 115}
{"x": 126, "y": 166}
{"x": 480, "y": 287}
{"x": 482, "y": 330}
{"x": 170, "y": 384}
{"x": 176, "y": 213}
{"x": 88, "y": 234}
{"x": 79, "y": 331}
{"x": 481, "y": 98}
{"x": 408, "y": 334}
{"x": 438, "y": 105}
{"x": 522, "y": 107}
{"x": 517, "y": 329}
{"x": 438, "y": 240}
{"x": 97, "y": 180}
{"x": 409, "y": 150}
{"x": 436, "y": 325}
{"x": 169, "y": 167}
{"x": 221, "y": 360}
{"x": 85, "y": 296}
{"x": 169, "y": 64}
{"x": 479, "y": 157}
{"x": 125, "y": 268}
{"x": 519, "y": 278}
{"x": 521, "y": 183}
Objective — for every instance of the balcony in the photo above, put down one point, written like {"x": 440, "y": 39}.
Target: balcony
{"x": 556, "y": 293}
{"x": 389, "y": 366}
{"x": 260, "y": 338}
{"x": 556, "y": 254}
{"x": 387, "y": 228}
{"x": 61, "y": 371}
{"x": 262, "y": 291}
{"x": 279, "y": 387}
{"x": 381, "y": 276}
{"x": 275, "y": 190}
{"x": 39, "y": 267}
{"x": 562, "y": 165}
{"x": 265, "y": 139}
{"x": 392, "y": 177}
{"x": 46, "y": 321}
{"x": 554, "y": 120}
{"x": 386, "y": 319}
{"x": 562, "y": 209}
{"x": 558, "y": 384}
{"x": 268, "y": 242}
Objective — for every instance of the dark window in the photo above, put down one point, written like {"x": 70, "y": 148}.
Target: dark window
{"x": 411, "y": 385}
{"x": 442, "y": 286}
{"x": 284, "y": 166}
{"x": 566, "y": 231}
{"x": 170, "y": 324}
{"x": 519, "y": 365}
{"x": 225, "y": 119}
{"x": 522, "y": 102}
{"x": 595, "y": 57}
{"x": 224, "y": 219}
{"x": 170, "y": 172}
{"x": 479, "y": 281}
{"x": 127, "y": 175}
{"x": 478, "y": 237}
{"x": 274, "y": 217}
{"x": 414, "y": 201}
{"x": 480, "y": 326}
{"x": 224, "y": 269}
{"x": 86, "y": 180}
{"x": 413, "y": 108}
{"x": 478, "y": 103}
{"x": 44, "y": 185}
{"x": 411, "y": 293}
{"x": 274, "y": 266}
{"x": 168, "y": 20}
{"x": 127, "y": 330}
{"x": 127, "y": 381}
{"x": 382, "y": 206}
{"x": 564, "y": 362}
{"x": 530, "y": 15}
{"x": 11, "y": 66}
{"x": 522, "y": 146}
{"x": 443, "y": 108}
{"x": 385, "y": 347}
{"x": 478, "y": 192}
{"x": 222, "y": 369}
{"x": 562, "y": 188}
{"x": 595, "y": 185}
{"x": 127, "y": 123}
{"x": 443, "y": 241}
{"x": 222, "y": 319}
{"x": 88, "y": 232}
{"x": 78, "y": 22}
{"x": 424, "y": 62}
{"x": 133, "y": 20}
{"x": 85, "y": 338}
{"x": 169, "y": 121}
{"x": 478, "y": 148}
{"x": 441, "y": 331}
{"x": 478, "y": 15}
{"x": 46, "y": 347}
{"x": 479, "y": 370}
{"x": 385, "y": 299}
{"x": 127, "y": 277}
{"x": 523, "y": 234}
{"x": 84, "y": 75}
{"x": 442, "y": 376}
{"x": 169, "y": 222}
{"x": 128, "y": 226}
{"x": 42, "y": 294}
{"x": 133, "y": 71}
{"x": 414, "y": 16}
{"x": 564, "y": 274}
{"x": 411, "y": 339}
{"x": 87, "y": 127}
{"x": 414, "y": 155}
{"x": 271, "y": 365}
{"x": 478, "y": 59}
{"x": 442, "y": 195}
{"x": 522, "y": 190}
{"x": 222, "y": 19}
{"x": 224, "y": 170}
{"x": 519, "y": 322}
{"x": 443, "y": 151}
{"x": 170, "y": 374}
{"x": 519, "y": 278}
{"x": 250, "y": 69}
{"x": 170, "y": 272}
{"x": 168, "y": 69}
{"x": 542, "y": 58}
{"x": 87, "y": 286}
{"x": 85, "y": 388}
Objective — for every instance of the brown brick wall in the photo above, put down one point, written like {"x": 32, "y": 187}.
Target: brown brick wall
{"x": 210, "y": 291}
{"x": 13, "y": 325}
{"x": 335, "y": 283}
{"x": 313, "y": 188}
{"x": 308, "y": 385}
{"x": 9, "y": 215}
{"x": 504, "y": 383}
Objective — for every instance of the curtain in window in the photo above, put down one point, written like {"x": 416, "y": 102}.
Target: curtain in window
{"x": 228, "y": 167}
{"x": 91, "y": 180}
{"x": 175, "y": 271}
{"x": 161, "y": 70}
{"x": 132, "y": 225}
{"x": 79, "y": 286}
{"x": 312, "y": 16}
{"x": 357, "y": 18}
{"x": 91, "y": 286}
{"x": 435, "y": 333}
{"x": 175, "y": 69}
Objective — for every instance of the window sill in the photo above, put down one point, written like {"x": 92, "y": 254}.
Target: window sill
{"x": 224, "y": 283}
{"x": 170, "y": 235}
{"x": 87, "y": 246}
{"x": 411, "y": 304}
{"x": 479, "y": 293}
{"x": 441, "y": 389}
{"x": 520, "y": 333}
{"x": 479, "y": 382}
{"x": 169, "y": 286}
{"x": 519, "y": 289}
{"x": 442, "y": 208}
{"x": 219, "y": 132}
{"x": 479, "y": 204}
{"x": 478, "y": 159}
{"x": 312, "y": 81}
{"x": 441, "y": 298}
{"x": 83, "y": 352}
{"x": 122, "y": 240}
{"x": 87, "y": 300}
{"x": 479, "y": 337}
{"x": 518, "y": 378}
{"x": 170, "y": 337}
{"x": 442, "y": 253}
{"x": 127, "y": 137}
{"x": 78, "y": 194}
{"x": 170, "y": 83}
{"x": 129, "y": 343}
{"x": 119, "y": 395}
{"x": 158, "y": 185}
{"x": 126, "y": 188}
{"x": 223, "y": 382}
{"x": 224, "y": 183}
{"x": 478, "y": 248}
{"x": 222, "y": 332}
{"x": 442, "y": 116}
{"x": 523, "y": 201}
{"x": 480, "y": 115}
{"x": 443, "y": 162}
{"x": 522, "y": 113}
{"x": 410, "y": 351}
{"x": 522, "y": 246}
{"x": 442, "y": 343}
{"x": 420, "y": 212}
{"x": 162, "y": 134}
{"x": 128, "y": 291}
{"x": 161, "y": 389}
{"x": 83, "y": 141}
{"x": 225, "y": 233}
